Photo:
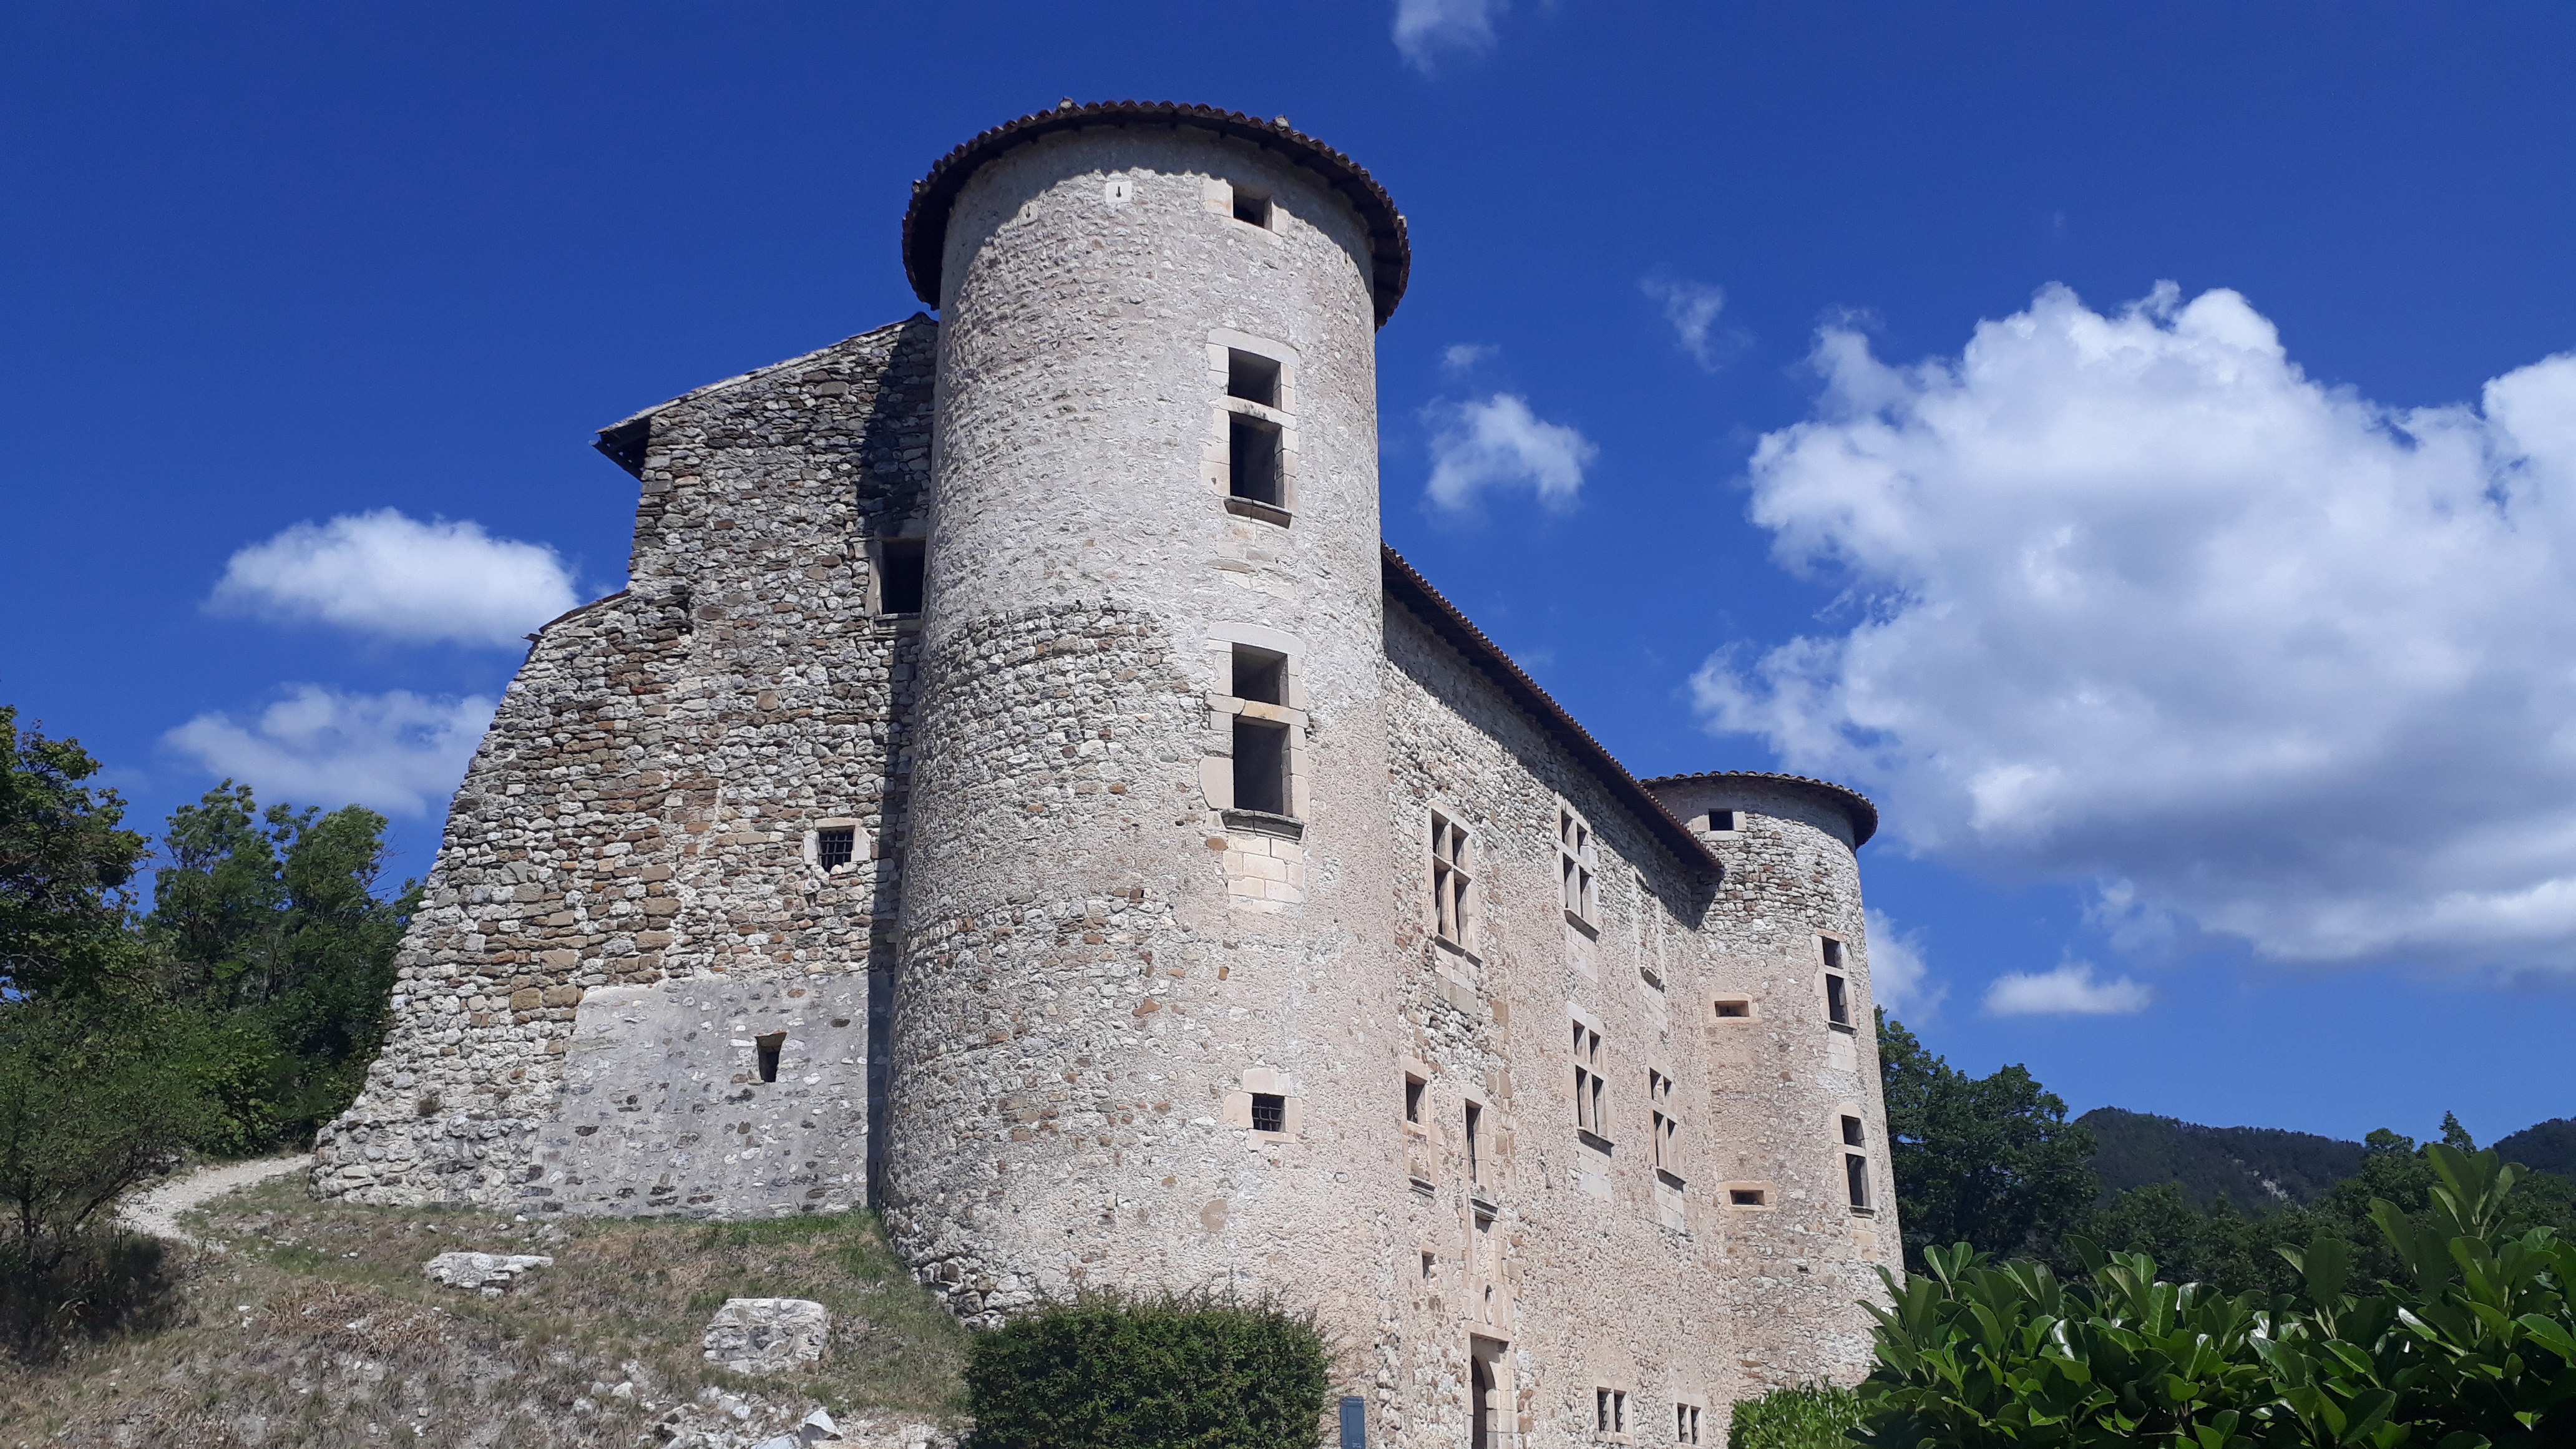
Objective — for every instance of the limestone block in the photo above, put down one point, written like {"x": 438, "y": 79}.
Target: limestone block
{"x": 767, "y": 1335}
{"x": 488, "y": 1273}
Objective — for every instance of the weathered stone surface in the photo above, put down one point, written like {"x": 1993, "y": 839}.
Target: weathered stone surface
{"x": 492, "y": 1273}
{"x": 767, "y": 1335}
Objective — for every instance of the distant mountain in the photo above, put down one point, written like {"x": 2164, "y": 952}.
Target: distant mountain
{"x": 2257, "y": 1168}
{"x": 2548, "y": 1146}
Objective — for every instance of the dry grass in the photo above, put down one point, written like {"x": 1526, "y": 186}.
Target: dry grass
{"x": 317, "y": 1330}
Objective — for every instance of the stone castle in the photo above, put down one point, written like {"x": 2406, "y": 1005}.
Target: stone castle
{"x": 1019, "y": 792}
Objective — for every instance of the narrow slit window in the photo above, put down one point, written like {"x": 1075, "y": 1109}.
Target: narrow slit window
{"x": 1475, "y": 1143}
{"x": 1253, "y": 466}
{"x": 1260, "y": 675}
{"x": 1269, "y": 1112}
{"x": 1413, "y": 1089}
{"x": 834, "y": 845}
{"x": 1430, "y": 1265}
{"x": 768, "y": 1046}
{"x": 1856, "y": 1178}
{"x": 1252, "y": 377}
{"x": 1260, "y": 766}
{"x": 899, "y": 570}
{"x": 1252, "y": 207}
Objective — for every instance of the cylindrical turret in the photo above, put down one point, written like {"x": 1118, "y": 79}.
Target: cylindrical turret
{"x": 1146, "y": 892}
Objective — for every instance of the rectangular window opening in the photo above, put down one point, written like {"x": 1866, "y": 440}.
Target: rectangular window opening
{"x": 1721, "y": 820}
{"x": 1734, "y": 1008}
{"x": 1590, "y": 1091}
{"x": 1475, "y": 1143}
{"x": 1685, "y": 1424}
{"x": 1430, "y": 1265}
{"x": 1833, "y": 952}
{"x": 769, "y": 1045}
{"x": 1851, "y": 1132}
{"x": 1253, "y": 467}
{"x": 1856, "y": 1177}
{"x": 1452, "y": 883}
{"x": 1252, "y": 377}
{"x": 1260, "y": 766}
{"x": 1413, "y": 1089}
{"x": 834, "y": 845}
{"x": 1576, "y": 861}
{"x": 1744, "y": 1197}
{"x": 1260, "y": 675}
{"x": 1837, "y": 1001}
{"x": 1253, "y": 207}
{"x": 899, "y": 570}
{"x": 1269, "y": 1112}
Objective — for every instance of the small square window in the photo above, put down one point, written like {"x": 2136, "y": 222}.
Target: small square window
{"x": 1721, "y": 820}
{"x": 1252, "y": 377}
{"x": 1833, "y": 952}
{"x": 899, "y": 574}
{"x": 1252, "y": 207}
{"x": 1269, "y": 1112}
{"x": 766, "y": 1047}
{"x": 834, "y": 845}
{"x": 1260, "y": 675}
{"x": 1253, "y": 467}
{"x": 1851, "y": 1132}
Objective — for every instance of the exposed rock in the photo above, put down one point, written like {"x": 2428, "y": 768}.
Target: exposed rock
{"x": 491, "y": 1273}
{"x": 767, "y": 1335}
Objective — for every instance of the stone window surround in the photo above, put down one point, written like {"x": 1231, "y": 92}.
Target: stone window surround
{"x": 1578, "y": 865}
{"x": 1221, "y": 342}
{"x": 1824, "y": 992}
{"x": 1421, "y": 1140}
{"x": 1767, "y": 1196}
{"x": 863, "y": 846}
{"x": 1585, "y": 1075}
{"x": 1689, "y": 1409}
{"x": 1216, "y": 196}
{"x": 1237, "y": 1111}
{"x": 1610, "y": 1418}
{"x": 1665, "y": 1146}
{"x": 910, "y": 530}
{"x": 1752, "y": 1009}
{"x": 1844, "y": 1149}
{"x": 1437, "y": 815}
{"x": 1482, "y": 1173}
{"x": 1216, "y": 765}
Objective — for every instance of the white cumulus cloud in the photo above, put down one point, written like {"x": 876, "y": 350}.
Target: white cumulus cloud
{"x": 1500, "y": 443}
{"x": 2134, "y": 600}
{"x": 1425, "y": 28}
{"x": 397, "y": 752}
{"x": 397, "y": 578}
{"x": 1900, "y": 976}
{"x": 1692, "y": 309}
{"x": 2070, "y": 990}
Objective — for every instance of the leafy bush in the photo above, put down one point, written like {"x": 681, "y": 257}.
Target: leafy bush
{"x": 2475, "y": 1348}
{"x": 1109, "y": 1371}
{"x": 1802, "y": 1416}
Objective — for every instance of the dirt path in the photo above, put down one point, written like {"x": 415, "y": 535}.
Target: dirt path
{"x": 156, "y": 1210}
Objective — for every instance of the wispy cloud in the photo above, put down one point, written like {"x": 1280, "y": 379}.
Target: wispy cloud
{"x": 399, "y": 579}
{"x": 1900, "y": 972}
{"x": 398, "y": 752}
{"x": 2070, "y": 990}
{"x": 1692, "y": 308}
{"x": 1500, "y": 443}
{"x": 1460, "y": 358}
{"x": 1426, "y": 28}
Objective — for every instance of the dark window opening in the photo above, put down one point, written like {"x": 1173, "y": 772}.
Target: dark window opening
{"x": 1413, "y": 1099}
{"x": 899, "y": 562}
{"x": 1851, "y": 1132}
{"x": 1744, "y": 1196}
{"x": 1735, "y": 1008}
{"x": 1837, "y": 1002}
{"x": 1252, "y": 206}
{"x": 1685, "y": 1424}
{"x": 1260, "y": 766}
{"x": 1252, "y": 377}
{"x": 1481, "y": 1433}
{"x": 1252, "y": 460}
{"x": 1856, "y": 1176}
{"x": 834, "y": 845}
{"x": 1269, "y": 1112}
{"x": 1721, "y": 820}
{"x": 1475, "y": 1144}
{"x": 1429, "y": 1265}
{"x": 1260, "y": 676}
{"x": 1833, "y": 952}
{"x": 769, "y": 1046}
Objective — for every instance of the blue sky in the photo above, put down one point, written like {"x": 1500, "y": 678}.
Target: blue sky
{"x": 2136, "y": 444}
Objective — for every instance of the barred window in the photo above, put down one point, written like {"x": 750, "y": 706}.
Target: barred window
{"x": 834, "y": 845}
{"x": 1269, "y": 1112}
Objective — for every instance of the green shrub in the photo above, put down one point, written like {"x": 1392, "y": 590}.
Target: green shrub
{"x": 1109, "y": 1371}
{"x": 1802, "y": 1416}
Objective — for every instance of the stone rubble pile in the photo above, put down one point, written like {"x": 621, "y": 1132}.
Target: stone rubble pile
{"x": 767, "y": 1335}
{"x": 489, "y": 1273}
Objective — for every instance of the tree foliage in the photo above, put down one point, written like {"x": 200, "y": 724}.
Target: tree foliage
{"x": 1990, "y": 1161}
{"x": 1799, "y": 1416}
{"x": 65, "y": 862}
{"x": 2469, "y": 1344}
{"x": 1107, "y": 1371}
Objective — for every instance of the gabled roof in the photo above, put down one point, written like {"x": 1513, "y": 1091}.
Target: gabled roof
{"x": 1855, "y": 806}
{"x": 925, "y": 224}
{"x": 1406, "y": 585}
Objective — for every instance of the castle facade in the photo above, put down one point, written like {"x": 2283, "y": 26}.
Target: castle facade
{"x": 1018, "y": 791}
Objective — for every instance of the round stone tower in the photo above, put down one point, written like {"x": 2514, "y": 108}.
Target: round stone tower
{"x": 1140, "y": 1023}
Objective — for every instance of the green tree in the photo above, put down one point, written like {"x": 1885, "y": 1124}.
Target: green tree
{"x": 271, "y": 924}
{"x": 1990, "y": 1161}
{"x": 65, "y": 861}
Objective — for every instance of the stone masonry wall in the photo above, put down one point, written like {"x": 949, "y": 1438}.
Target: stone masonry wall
{"x": 637, "y": 813}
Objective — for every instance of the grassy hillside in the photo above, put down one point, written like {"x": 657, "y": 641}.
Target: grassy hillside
{"x": 2256, "y": 1168}
{"x": 316, "y": 1329}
